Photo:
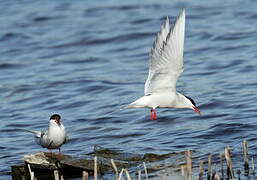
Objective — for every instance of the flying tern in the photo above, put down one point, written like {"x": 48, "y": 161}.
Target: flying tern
{"x": 165, "y": 67}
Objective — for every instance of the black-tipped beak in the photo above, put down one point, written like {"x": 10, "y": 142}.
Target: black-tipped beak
{"x": 197, "y": 110}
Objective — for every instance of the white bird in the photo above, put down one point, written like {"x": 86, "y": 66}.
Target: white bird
{"x": 165, "y": 67}
{"x": 54, "y": 137}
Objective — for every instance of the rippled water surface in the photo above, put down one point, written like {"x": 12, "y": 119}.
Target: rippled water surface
{"x": 85, "y": 59}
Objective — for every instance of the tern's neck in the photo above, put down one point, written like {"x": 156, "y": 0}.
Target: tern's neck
{"x": 54, "y": 128}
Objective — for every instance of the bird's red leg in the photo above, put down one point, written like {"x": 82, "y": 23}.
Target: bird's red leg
{"x": 154, "y": 114}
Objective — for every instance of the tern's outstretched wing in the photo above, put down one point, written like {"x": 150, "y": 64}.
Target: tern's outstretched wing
{"x": 166, "y": 57}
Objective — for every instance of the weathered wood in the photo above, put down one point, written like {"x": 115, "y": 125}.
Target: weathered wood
{"x": 19, "y": 172}
{"x": 209, "y": 167}
{"x": 201, "y": 170}
{"x": 115, "y": 169}
{"x": 95, "y": 167}
{"x": 245, "y": 152}
{"x": 32, "y": 175}
{"x": 230, "y": 172}
{"x": 189, "y": 164}
{"x": 84, "y": 175}
{"x": 56, "y": 175}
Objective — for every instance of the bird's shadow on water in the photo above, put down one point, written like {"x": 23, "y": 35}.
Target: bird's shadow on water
{"x": 161, "y": 120}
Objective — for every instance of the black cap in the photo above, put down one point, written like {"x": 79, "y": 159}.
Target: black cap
{"x": 55, "y": 116}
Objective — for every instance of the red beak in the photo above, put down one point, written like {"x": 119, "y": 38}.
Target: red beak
{"x": 197, "y": 110}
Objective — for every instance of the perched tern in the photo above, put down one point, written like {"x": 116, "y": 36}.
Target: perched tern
{"x": 54, "y": 137}
{"x": 165, "y": 67}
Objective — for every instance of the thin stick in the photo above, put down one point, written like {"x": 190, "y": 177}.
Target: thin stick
{"x": 84, "y": 175}
{"x": 56, "y": 175}
{"x": 31, "y": 173}
{"x": 217, "y": 177}
{"x": 253, "y": 166}
{"x": 189, "y": 164}
{"x": 245, "y": 152}
{"x": 229, "y": 163}
{"x": 146, "y": 174}
{"x": 201, "y": 170}
{"x": 95, "y": 167}
{"x": 139, "y": 174}
{"x": 127, "y": 174}
{"x": 115, "y": 169}
{"x": 209, "y": 167}
{"x": 183, "y": 169}
{"x": 121, "y": 173}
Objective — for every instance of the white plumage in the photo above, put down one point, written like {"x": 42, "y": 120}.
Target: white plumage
{"x": 54, "y": 137}
{"x": 165, "y": 67}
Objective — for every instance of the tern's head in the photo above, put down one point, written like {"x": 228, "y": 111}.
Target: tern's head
{"x": 193, "y": 105}
{"x": 56, "y": 119}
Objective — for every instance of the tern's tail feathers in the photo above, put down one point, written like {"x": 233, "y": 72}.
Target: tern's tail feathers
{"x": 36, "y": 133}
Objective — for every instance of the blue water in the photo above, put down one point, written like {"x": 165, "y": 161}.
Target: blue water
{"x": 85, "y": 59}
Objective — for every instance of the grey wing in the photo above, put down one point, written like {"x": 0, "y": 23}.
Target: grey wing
{"x": 166, "y": 57}
{"x": 43, "y": 140}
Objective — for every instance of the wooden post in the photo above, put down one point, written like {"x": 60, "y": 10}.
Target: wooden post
{"x": 189, "y": 164}
{"x": 56, "y": 175}
{"x": 245, "y": 152}
{"x": 84, "y": 175}
{"x": 201, "y": 170}
{"x": 230, "y": 172}
{"x": 221, "y": 165}
{"x": 209, "y": 167}
{"x": 95, "y": 167}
